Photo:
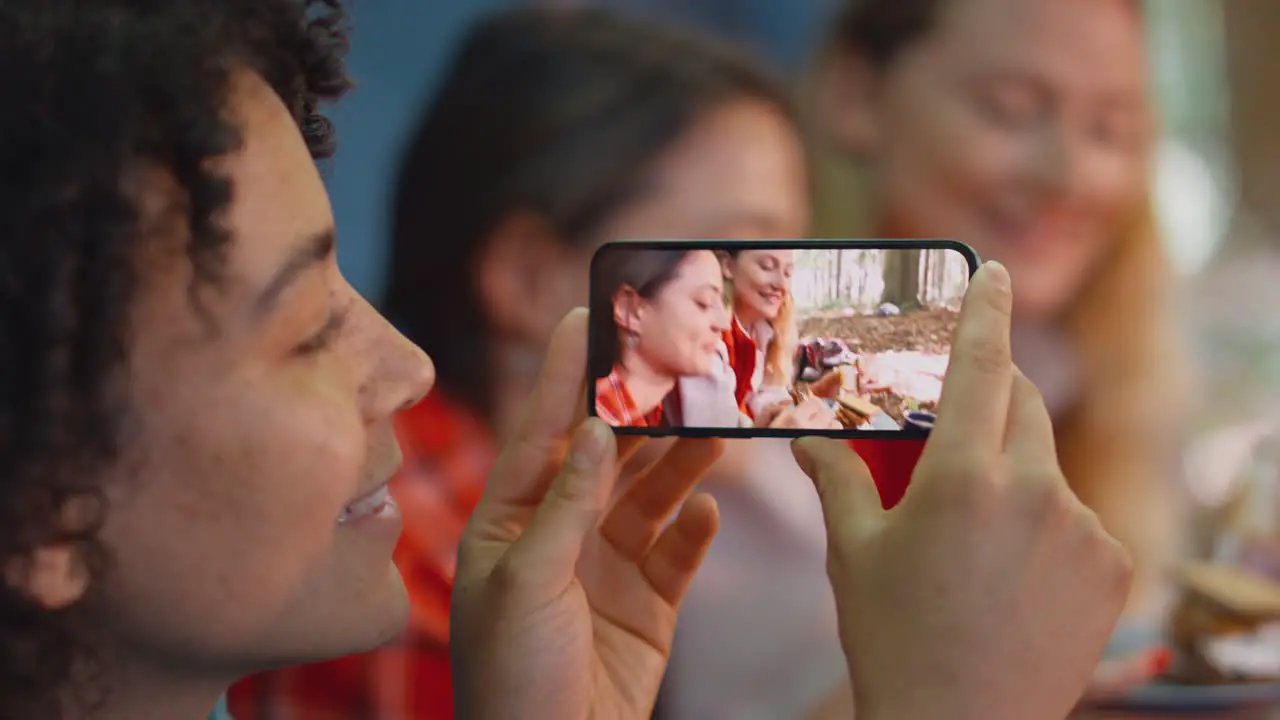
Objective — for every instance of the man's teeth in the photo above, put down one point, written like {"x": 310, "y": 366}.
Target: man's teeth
{"x": 374, "y": 503}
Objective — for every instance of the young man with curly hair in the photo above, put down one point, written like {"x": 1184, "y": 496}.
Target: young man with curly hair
{"x": 194, "y": 405}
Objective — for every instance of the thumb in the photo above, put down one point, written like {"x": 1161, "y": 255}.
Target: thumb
{"x": 850, "y": 500}
{"x": 548, "y": 549}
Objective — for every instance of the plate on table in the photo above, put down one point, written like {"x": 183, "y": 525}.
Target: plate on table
{"x": 1167, "y": 699}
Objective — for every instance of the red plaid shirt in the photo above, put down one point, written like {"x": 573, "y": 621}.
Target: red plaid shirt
{"x": 448, "y": 455}
{"x": 616, "y": 408}
{"x": 743, "y": 355}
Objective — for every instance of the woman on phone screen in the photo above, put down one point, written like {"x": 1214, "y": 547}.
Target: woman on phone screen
{"x": 762, "y": 340}
{"x": 657, "y": 315}
{"x": 756, "y": 355}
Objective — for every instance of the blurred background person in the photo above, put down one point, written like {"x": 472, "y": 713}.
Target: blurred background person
{"x": 1025, "y": 129}
{"x": 553, "y": 132}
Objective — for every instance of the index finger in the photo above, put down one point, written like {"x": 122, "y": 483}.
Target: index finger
{"x": 519, "y": 481}
{"x": 1029, "y": 434}
{"x": 974, "y": 405}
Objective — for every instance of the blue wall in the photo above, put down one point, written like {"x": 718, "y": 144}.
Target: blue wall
{"x": 398, "y": 50}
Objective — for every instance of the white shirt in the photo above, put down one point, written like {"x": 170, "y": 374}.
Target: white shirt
{"x": 757, "y": 636}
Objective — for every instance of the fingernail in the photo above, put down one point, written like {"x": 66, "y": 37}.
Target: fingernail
{"x": 998, "y": 274}
{"x": 587, "y": 448}
{"x": 1160, "y": 661}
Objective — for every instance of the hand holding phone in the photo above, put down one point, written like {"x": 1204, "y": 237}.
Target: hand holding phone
{"x": 811, "y": 413}
{"x": 990, "y": 591}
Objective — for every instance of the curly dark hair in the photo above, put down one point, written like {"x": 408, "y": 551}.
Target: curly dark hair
{"x": 97, "y": 93}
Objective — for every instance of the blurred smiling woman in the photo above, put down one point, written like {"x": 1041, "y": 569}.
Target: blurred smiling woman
{"x": 658, "y": 315}
{"x": 1024, "y": 129}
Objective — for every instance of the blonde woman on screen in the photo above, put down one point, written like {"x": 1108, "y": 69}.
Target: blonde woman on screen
{"x": 757, "y": 351}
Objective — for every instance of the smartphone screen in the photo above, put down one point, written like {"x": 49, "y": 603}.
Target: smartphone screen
{"x": 773, "y": 338}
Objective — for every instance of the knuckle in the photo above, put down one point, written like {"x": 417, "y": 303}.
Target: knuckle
{"x": 1027, "y": 391}
{"x": 1114, "y": 562}
{"x": 1119, "y": 562}
{"x": 1046, "y": 499}
{"x": 962, "y": 477}
{"x": 1045, "y": 482}
{"x": 508, "y": 577}
{"x": 1122, "y": 570}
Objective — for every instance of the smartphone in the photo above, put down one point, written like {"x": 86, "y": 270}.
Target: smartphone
{"x": 773, "y": 338}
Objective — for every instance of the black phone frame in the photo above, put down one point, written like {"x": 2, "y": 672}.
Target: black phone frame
{"x": 726, "y": 245}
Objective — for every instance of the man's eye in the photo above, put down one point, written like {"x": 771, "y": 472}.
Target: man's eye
{"x": 323, "y": 337}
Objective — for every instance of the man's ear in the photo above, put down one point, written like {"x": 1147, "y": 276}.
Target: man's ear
{"x": 518, "y": 275}
{"x": 54, "y": 576}
{"x": 848, "y": 101}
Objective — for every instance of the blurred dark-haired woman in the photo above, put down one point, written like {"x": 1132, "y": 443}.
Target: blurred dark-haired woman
{"x": 555, "y": 131}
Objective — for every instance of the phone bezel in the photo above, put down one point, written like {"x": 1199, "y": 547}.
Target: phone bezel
{"x": 790, "y": 244}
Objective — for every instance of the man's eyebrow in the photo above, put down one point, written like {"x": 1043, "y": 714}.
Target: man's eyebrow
{"x": 314, "y": 250}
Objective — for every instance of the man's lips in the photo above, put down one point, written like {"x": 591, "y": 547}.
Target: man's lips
{"x": 376, "y": 499}
{"x": 376, "y": 502}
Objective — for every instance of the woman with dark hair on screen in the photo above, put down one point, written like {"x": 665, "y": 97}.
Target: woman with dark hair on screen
{"x": 553, "y": 131}
{"x": 658, "y": 315}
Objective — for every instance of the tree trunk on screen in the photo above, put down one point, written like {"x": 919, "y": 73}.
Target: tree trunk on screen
{"x": 839, "y": 273}
{"x": 902, "y": 278}
{"x": 928, "y": 273}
